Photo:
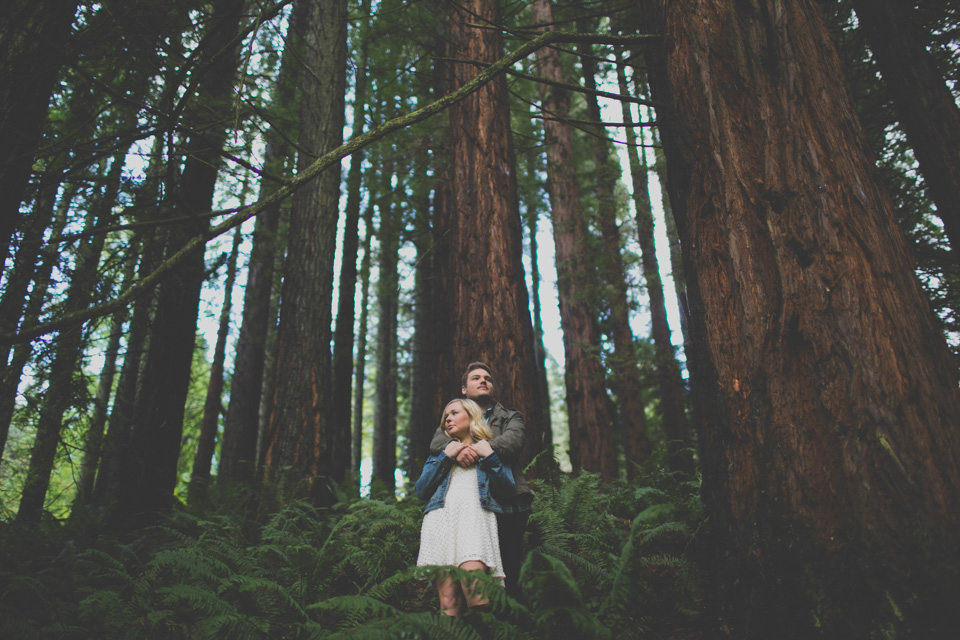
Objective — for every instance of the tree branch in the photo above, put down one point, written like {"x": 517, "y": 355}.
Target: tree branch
{"x": 319, "y": 166}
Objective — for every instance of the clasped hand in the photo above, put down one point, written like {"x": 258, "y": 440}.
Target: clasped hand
{"x": 467, "y": 454}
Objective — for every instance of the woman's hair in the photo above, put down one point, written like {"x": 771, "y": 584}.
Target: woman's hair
{"x": 478, "y": 426}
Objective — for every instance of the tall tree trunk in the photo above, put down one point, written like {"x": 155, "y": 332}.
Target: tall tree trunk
{"x": 93, "y": 440}
{"x": 669, "y": 380}
{"x": 482, "y": 294}
{"x": 33, "y": 37}
{"x": 340, "y": 436}
{"x": 633, "y": 425}
{"x": 68, "y": 350}
{"x": 539, "y": 350}
{"x": 422, "y": 425}
{"x": 296, "y": 449}
{"x": 356, "y": 445}
{"x": 49, "y": 257}
{"x": 926, "y": 107}
{"x": 149, "y": 473}
{"x": 388, "y": 299}
{"x": 241, "y": 426}
{"x": 591, "y": 442}
{"x": 213, "y": 404}
{"x": 825, "y": 394}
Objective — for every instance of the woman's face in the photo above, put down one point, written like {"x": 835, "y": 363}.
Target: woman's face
{"x": 456, "y": 421}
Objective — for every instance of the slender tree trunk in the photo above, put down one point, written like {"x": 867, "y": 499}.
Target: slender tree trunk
{"x": 539, "y": 350}
{"x": 149, "y": 473}
{"x": 669, "y": 380}
{"x": 213, "y": 405}
{"x": 93, "y": 441}
{"x": 241, "y": 426}
{"x": 385, "y": 412}
{"x": 68, "y": 351}
{"x": 826, "y": 397}
{"x": 296, "y": 449}
{"x": 340, "y": 436}
{"x": 591, "y": 442}
{"x": 481, "y": 290}
{"x": 926, "y": 107}
{"x": 633, "y": 425}
{"x": 49, "y": 257}
{"x": 33, "y": 37}
{"x": 356, "y": 447}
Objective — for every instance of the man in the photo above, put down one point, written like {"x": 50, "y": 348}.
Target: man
{"x": 509, "y": 434}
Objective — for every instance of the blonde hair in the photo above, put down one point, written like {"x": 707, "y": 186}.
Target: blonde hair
{"x": 478, "y": 425}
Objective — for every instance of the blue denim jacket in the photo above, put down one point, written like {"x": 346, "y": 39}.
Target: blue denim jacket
{"x": 493, "y": 477}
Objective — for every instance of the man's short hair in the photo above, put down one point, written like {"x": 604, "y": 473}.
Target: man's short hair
{"x": 471, "y": 367}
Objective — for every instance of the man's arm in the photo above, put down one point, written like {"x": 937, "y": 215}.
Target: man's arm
{"x": 513, "y": 435}
{"x": 440, "y": 440}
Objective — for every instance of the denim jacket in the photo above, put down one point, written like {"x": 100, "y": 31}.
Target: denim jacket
{"x": 493, "y": 477}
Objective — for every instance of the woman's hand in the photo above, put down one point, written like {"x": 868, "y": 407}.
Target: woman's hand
{"x": 482, "y": 448}
{"x": 453, "y": 449}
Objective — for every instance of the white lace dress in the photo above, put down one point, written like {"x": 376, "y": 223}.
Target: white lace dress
{"x": 461, "y": 529}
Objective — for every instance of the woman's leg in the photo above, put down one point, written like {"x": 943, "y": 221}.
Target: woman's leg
{"x": 449, "y": 593}
{"x": 473, "y": 597}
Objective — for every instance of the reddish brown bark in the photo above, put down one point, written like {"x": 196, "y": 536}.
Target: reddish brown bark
{"x": 825, "y": 394}
{"x": 591, "y": 442}
{"x": 926, "y": 107}
{"x": 295, "y": 449}
{"x": 481, "y": 288}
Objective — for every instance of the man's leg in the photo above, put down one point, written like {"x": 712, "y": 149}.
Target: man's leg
{"x": 510, "y": 528}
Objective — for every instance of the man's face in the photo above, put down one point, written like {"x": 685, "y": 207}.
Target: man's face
{"x": 479, "y": 387}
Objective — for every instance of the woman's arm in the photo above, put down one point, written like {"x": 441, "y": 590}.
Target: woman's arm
{"x": 501, "y": 478}
{"x": 435, "y": 469}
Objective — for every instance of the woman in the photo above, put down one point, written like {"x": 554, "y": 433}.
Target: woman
{"x": 459, "y": 526}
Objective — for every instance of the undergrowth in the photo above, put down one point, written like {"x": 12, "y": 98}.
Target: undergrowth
{"x": 610, "y": 561}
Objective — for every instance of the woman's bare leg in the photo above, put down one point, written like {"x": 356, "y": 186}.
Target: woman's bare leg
{"x": 473, "y": 597}
{"x": 449, "y": 593}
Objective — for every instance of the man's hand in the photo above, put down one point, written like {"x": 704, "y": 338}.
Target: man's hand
{"x": 454, "y": 450}
{"x": 467, "y": 457}
{"x": 482, "y": 448}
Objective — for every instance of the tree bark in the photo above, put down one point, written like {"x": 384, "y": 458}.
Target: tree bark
{"x": 385, "y": 395}
{"x": 591, "y": 442}
{"x": 670, "y": 383}
{"x": 825, "y": 395}
{"x": 33, "y": 37}
{"x": 241, "y": 426}
{"x": 481, "y": 290}
{"x": 296, "y": 450}
{"x": 340, "y": 436}
{"x": 926, "y": 107}
{"x": 633, "y": 424}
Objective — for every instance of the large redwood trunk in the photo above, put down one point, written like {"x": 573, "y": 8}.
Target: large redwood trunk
{"x": 295, "y": 448}
{"x": 826, "y": 398}
{"x": 241, "y": 428}
{"x": 926, "y": 108}
{"x": 482, "y": 296}
{"x": 591, "y": 442}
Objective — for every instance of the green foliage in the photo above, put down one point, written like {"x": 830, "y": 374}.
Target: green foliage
{"x": 603, "y": 561}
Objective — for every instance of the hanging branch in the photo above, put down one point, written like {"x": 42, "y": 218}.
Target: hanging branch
{"x": 319, "y": 166}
